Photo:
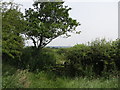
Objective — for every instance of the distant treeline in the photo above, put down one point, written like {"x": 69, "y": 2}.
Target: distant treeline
{"x": 58, "y": 46}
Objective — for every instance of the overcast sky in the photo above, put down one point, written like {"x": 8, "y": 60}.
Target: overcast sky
{"x": 98, "y": 19}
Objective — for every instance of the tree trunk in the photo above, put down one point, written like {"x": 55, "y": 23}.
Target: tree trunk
{"x": 40, "y": 45}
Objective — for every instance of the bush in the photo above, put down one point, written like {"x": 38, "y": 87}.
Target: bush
{"x": 97, "y": 57}
{"x": 37, "y": 60}
{"x": 78, "y": 60}
{"x": 117, "y": 53}
{"x": 102, "y": 54}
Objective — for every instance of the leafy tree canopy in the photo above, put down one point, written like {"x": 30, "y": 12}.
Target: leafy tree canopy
{"x": 48, "y": 20}
{"x": 12, "y": 23}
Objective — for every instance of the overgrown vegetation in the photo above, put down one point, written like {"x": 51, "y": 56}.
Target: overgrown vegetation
{"x": 24, "y": 79}
{"x": 98, "y": 57}
{"x": 92, "y": 65}
{"x": 74, "y": 67}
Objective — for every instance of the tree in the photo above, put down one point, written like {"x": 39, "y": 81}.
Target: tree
{"x": 12, "y": 23}
{"x": 47, "y": 21}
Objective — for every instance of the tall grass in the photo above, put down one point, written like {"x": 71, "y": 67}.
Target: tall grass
{"x": 25, "y": 79}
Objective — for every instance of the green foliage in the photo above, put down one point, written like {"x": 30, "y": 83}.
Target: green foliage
{"x": 37, "y": 60}
{"x": 16, "y": 80}
{"x": 62, "y": 51}
{"x": 42, "y": 24}
{"x": 12, "y": 23}
{"x": 25, "y": 79}
{"x": 97, "y": 57}
{"x": 117, "y": 53}
{"x": 78, "y": 61}
{"x": 47, "y": 21}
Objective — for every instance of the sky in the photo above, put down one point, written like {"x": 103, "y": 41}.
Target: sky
{"x": 98, "y": 19}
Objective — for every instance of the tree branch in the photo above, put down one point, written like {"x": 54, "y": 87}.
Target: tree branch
{"x": 48, "y": 42}
{"x": 33, "y": 41}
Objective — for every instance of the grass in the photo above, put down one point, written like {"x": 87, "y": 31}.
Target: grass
{"x": 17, "y": 78}
{"x": 25, "y": 79}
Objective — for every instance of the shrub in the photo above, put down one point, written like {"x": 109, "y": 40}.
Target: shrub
{"x": 116, "y": 44}
{"x": 97, "y": 57}
{"x": 78, "y": 60}
{"x": 37, "y": 60}
{"x": 102, "y": 52}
